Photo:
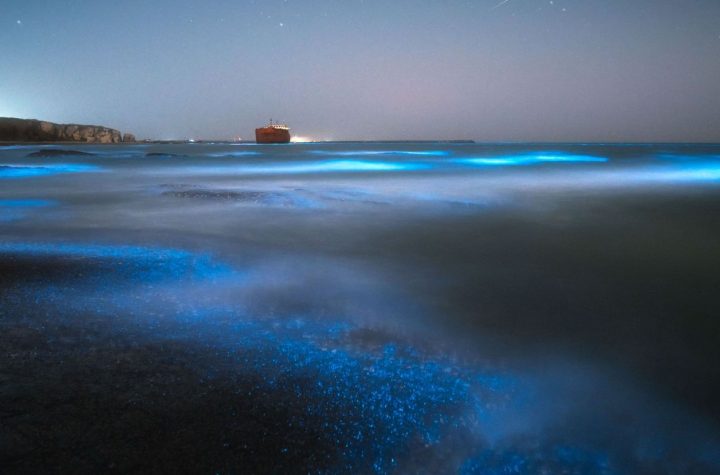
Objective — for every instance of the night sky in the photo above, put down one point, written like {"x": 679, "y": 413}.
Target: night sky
{"x": 518, "y": 70}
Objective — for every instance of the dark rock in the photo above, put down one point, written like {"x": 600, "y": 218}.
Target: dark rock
{"x": 56, "y": 152}
{"x": 162, "y": 154}
{"x": 29, "y": 130}
{"x": 251, "y": 196}
{"x": 245, "y": 196}
{"x": 128, "y": 138}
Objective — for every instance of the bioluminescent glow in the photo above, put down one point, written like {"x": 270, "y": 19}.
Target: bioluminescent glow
{"x": 686, "y": 172}
{"x": 681, "y": 173}
{"x": 337, "y": 166}
{"x": 375, "y": 307}
{"x": 362, "y": 166}
{"x": 141, "y": 262}
{"x": 568, "y": 158}
{"x": 428, "y": 153}
{"x": 26, "y": 203}
{"x": 560, "y": 458}
{"x": 531, "y": 159}
{"x": 404, "y": 397}
{"x": 686, "y": 158}
{"x": 690, "y": 167}
{"x": 30, "y": 171}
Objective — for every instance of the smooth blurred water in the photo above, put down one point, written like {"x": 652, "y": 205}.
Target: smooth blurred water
{"x": 467, "y": 307}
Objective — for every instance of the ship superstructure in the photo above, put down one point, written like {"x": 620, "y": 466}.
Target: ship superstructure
{"x": 273, "y": 133}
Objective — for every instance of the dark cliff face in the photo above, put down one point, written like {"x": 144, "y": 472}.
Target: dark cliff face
{"x": 29, "y": 130}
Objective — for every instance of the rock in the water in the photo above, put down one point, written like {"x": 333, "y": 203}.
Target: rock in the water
{"x": 128, "y": 138}
{"x": 28, "y": 130}
{"x": 163, "y": 154}
{"x": 56, "y": 152}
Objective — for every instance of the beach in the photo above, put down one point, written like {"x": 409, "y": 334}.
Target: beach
{"x": 360, "y": 308}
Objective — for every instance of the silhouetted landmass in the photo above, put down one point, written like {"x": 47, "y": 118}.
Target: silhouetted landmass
{"x": 31, "y": 130}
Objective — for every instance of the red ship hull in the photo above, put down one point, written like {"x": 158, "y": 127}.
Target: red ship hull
{"x": 272, "y": 135}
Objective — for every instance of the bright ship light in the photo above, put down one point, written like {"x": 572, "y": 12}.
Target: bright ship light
{"x": 301, "y": 139}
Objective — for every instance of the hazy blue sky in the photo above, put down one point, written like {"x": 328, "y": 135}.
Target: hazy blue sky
{"x": 621, "y": 70}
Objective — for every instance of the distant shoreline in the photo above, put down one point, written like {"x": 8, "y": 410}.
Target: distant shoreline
{"x": 252, "y": 142}
{"x": 189, "y": 142}
{"x": 32, "y": 130}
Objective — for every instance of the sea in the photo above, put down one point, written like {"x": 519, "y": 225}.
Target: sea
{"x": 360, "y": 307}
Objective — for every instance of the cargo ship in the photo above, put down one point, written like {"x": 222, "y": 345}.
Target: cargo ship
{"x": 273, "y": 133}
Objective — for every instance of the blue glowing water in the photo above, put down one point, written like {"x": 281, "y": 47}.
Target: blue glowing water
{"x": 397, "y": 153}
{"x": 471, "y": 308}
{"x": 26, "y": 203}
{"x": 29, "y": 171}
{"x": 531, "y": 159}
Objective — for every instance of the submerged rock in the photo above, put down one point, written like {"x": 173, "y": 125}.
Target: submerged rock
{"x": 253, "y": 196}
{"x": 266, "y": 198}
{"x": 163, "y": 154}
{"x": 56, "y": 152}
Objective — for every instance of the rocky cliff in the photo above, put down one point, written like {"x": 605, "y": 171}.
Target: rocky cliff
{"x": 29, "y": 130}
